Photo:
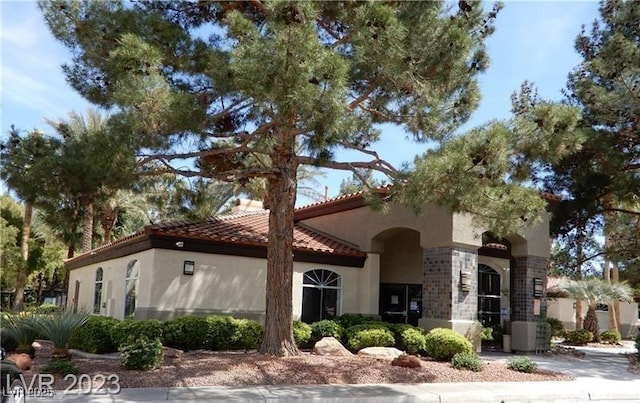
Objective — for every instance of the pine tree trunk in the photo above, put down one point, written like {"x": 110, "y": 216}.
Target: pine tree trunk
{"x": 21, "y": 279}
{"x": 87, "y": 228}
{"x": 611, "y": 268}
{"x": 278, "y": 328}
{"x": 579, "y": 255}
{"x": 591, "y": 323}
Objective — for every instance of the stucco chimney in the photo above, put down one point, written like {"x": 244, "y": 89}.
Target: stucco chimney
{"x": 244, "y": 205}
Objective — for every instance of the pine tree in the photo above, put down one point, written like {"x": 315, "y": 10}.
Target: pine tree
{"x": 254, "y": 89}
{"x": 602, "y": 181}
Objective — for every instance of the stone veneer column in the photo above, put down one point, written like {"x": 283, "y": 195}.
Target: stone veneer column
{"x": 523, "y": 320}
{"x": 444, "y": 304}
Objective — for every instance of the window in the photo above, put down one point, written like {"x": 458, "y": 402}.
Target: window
{"x": 320, "y": 295}
{"x": 97, "y": 296}
{"x": 488, "y": 296}
{"x": 131, "y": 287}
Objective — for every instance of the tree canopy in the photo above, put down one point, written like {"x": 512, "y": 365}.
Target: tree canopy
{"x": 252, "y": 90}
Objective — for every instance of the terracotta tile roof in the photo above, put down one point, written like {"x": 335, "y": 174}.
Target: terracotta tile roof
{"x": 251, "y": 229}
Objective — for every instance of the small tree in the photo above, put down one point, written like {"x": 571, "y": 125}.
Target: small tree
{"x": 596, "y": 291}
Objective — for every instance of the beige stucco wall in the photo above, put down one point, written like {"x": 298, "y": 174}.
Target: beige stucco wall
{"x": 401, "y": 261}
{"x": 220, "y": 284}
{"x": 113, "y": 286}
{"x": 435, "y": 225}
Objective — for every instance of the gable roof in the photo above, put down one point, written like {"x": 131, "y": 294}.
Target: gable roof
{"x": 244, "y": 234}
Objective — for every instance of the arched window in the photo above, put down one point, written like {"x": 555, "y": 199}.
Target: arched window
{"x": 320, "y": 295}
{"x": 97, "y": 295}
{"x": 131, "y": 287}
{"x": 488, "y": 296}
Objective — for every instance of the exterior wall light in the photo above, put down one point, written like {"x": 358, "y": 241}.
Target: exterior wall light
{"x": 537, "y": 287}
{"x": 188, "y": 267}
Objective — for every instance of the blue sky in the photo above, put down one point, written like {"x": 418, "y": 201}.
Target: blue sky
{"x": 533, "y": 41}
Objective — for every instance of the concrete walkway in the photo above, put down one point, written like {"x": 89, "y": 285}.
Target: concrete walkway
{"x": 601, "y": 376}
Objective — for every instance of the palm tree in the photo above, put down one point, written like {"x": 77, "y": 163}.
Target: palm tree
{"x": 596, "y": 291}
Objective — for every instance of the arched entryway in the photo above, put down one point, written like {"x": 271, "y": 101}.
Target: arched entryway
{"x": 320, "y": 295}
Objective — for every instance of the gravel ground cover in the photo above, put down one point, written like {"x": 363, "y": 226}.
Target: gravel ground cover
{"x": 207, "y": 368}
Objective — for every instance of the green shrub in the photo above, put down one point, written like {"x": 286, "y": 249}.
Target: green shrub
{"x": 95, "y": 335}
{"x": 132, "y": 329}
{"x": 141, "y": 353}
{"x": 442, "y": 344}
{"x": 186, "y": 333}
{"x": 220, "y": 332}
{"x": 638, "y": 343}
{"x": 557, "y": 328}
{"x": 369, "y": 335}
{"x": 247, "y": 334}
{"x": 522, "y": 364}
{"x": 301, "y": 333}
{"x": 47, "y": 309}
{"x": 469, "y": 361}
{"x": 326, "y": 328}
{"x": 578, "y": 337}
{"x": 611, "y": 336}
{"x": 60, "y": 366}
{"x": 353, "y": 319}
{"x": 486, "y": 334}
{"x": 411, "y": 339}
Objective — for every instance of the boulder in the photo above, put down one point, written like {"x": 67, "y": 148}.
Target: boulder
{"x": 330, "y": 346}
{"x": 381, "y": 352}
{"x": 23, "y": 361}
{"x": 407, "y": 361}
{"x": 170, "y": 352}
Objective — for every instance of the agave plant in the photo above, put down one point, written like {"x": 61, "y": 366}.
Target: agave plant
{"x": 58, "y": 326}
{"x": 23, "y": 328}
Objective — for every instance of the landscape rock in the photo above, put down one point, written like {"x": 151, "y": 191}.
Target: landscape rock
{"x": 381, "y": 352}
{"x": 331, "y": 347}
{"x": 23, "y": 361}
{"x": 407, "y": 361}
{"x": 172, "y": 352}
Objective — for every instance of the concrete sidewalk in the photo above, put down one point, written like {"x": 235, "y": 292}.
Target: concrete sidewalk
{"x": 601, "y": 376}
{"x": 565, "y": 392}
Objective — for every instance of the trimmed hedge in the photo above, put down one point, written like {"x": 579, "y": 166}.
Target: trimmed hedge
{"x": 186, "y": 333}
{"x": 369, "y": 335}
{"x": 141, "y": 353}
{"x": 220, "y": 331}
{"x": 578, "y": 337}
{"x": 354, "y": 319}
{"x": 326, "y": 328}
{"x": 301, "y": 333}
{"x": 95, "y": 335}
{"x": 408, "y": 338}
{"x": 442, "y": 344}
{"x": 131, "y": 329}
{"x": 611, "y": 336}
{"x": 247, "y": 334}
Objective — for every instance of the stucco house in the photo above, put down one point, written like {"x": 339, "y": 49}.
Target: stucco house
{"x": 431, "y": 270}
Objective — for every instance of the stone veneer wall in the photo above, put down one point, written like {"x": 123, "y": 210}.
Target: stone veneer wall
{"x": 442, "y": 297}
{"x": 525, "y": 269}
